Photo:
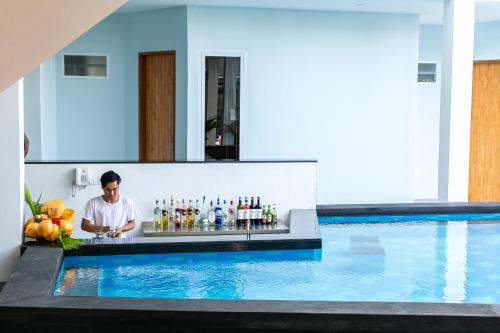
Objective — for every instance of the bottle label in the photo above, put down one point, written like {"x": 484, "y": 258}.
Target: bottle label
{"x": 258, "y": 214}
{"x": 252, "y": 214}
{"x": 196, "y": 212}
{"x": 246, "y": 214}
{"x": 269, "y": 218}
{"x": 211, "y": 217}
{"x": 240, "y": 214}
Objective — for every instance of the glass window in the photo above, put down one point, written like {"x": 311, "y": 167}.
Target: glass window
{"x": 222, "y": 108}
{"x": 426, "y": 72}
{"x": 86, "y": 65}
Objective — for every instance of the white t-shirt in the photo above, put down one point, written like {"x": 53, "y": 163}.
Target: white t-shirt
{"x": 117, "y": 214}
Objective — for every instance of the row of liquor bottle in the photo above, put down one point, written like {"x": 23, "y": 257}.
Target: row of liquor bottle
{"x": 182, "y": 214}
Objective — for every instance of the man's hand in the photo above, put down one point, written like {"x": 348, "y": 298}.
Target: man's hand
{"x": 118, "y": 232}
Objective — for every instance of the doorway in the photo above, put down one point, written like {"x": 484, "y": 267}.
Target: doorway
{"x": 157, "y": 106}
{"x": 484, "y": 166}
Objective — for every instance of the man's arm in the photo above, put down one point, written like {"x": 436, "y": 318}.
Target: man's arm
{"x": 127, "y": 227}
{"x": 90, "y": 227}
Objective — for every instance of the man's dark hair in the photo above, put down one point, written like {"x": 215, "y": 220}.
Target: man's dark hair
{"x": 109, "y": 177}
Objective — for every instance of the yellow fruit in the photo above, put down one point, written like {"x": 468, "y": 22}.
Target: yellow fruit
{"x": 28, "y": 222}
{"x": 55, "y": 209}
{"x": 68, "y": 215}
{"x": 55, "y": 232}
{"x": 45, "y": 207}
{"x": 44, "y": 229}
{"x": 67, "y": 227}
{"x": 31, "y": 230}
{"x": 41, "y": 217}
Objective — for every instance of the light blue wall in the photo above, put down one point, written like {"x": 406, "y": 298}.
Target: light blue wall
{"x": 487, "y": 41}
{"x": 339, "y": 87}
{"x": 156, "y": 31}
{"x": 97, "y": 119}
{"x": 430, "y": 43}
{"x": 32, "y": 114}
{"x": 90, "y": 112}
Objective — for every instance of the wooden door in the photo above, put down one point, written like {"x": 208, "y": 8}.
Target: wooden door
{"x": 157, "y": 106}
{"x": 484, "y": 167}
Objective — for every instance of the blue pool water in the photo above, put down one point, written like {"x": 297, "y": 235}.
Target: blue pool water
{"x": 426, "y": 259}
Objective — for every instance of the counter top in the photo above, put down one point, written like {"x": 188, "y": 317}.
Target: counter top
{"x": 150, "y": 231}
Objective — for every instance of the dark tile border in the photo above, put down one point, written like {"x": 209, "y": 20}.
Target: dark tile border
{"x": 26, "y": 304}
{"x": 187, "y": 247}
{"x": 409, "y": 209}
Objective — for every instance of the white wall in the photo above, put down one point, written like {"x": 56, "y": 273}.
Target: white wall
{"x": 427, "y": 120}
{"x": 12, "y": 177}
{"x": 339, "y": 87}
{"x": 289, "y": 185}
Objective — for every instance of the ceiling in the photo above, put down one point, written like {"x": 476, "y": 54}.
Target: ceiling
{"x": 430, "y": 11}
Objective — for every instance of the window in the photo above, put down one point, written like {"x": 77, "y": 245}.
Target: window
{"x": 426, "y": 72}
{"x": 85, "y": 65}
{"x": 222, "y": 108}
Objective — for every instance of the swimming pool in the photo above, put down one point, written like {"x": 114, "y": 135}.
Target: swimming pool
{"x": 454, "y": 259}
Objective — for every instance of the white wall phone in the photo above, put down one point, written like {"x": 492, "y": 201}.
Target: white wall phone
{"x": 82, "y": 177}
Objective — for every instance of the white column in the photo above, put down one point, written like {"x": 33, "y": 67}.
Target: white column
{"x": 12, "y": 175}
{"x": 456, "y": 95}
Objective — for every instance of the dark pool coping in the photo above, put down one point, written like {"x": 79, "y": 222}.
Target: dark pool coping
{"x": 122, "y": 246}
{"x": 409, "y": 208}
{"x": 26, "y": 304}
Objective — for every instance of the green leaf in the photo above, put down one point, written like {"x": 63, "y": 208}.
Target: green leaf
{"x": 38, "y": 205}
{"x": 68, "y": 243}
{"x": 29, "y": 201}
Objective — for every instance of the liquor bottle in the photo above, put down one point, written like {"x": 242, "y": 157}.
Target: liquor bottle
{"x": 252, "y": 211}
{"x": 157, "y": 215}
{"x": 264, "y": 215}
{"x": 269, "y": 214}
{"x": 178, "y": 215}
{"x": 258, "y": 212}
{"x": 218, "y": 212}
{"x": 239, "y": 212}
{"x": 231, "y": 213}
{"x": 204, "y": 212}
{"x": 183, "y": 214}
{"x": 246, "y": 213}
{"x": 171, "y": 214}
{"x": 225, "y": 213}
{"x": 190, "y": 214}
{"x": 274, "y": 214}
{"x": 263, "y": 219}
{"x": 211, "y": 214}
{"x": 164, "y": 213}
{"x": 197, "y": 213}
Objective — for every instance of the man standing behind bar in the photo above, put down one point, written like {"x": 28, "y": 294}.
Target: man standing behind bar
{"x": 109, "y": 210}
